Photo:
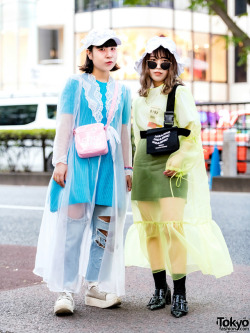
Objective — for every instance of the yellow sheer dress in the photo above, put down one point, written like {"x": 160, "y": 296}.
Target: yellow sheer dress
{"x": 173, "y": 227}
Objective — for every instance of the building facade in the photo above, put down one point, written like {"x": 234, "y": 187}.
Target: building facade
{"x": 36, "y": 45}
{"x": 41, "y": 49}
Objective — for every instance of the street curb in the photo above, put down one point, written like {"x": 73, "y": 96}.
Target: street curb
{"x": 239, "y": 183}
{"x": 25, "y": 178}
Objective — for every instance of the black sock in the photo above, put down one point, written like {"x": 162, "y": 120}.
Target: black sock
{"x": 160, "y": 280}
{"x": 180, "y": 286}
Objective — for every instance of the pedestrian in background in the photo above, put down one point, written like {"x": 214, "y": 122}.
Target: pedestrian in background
{"x": 173, "y": 231}
{"x": 81, "y": 234}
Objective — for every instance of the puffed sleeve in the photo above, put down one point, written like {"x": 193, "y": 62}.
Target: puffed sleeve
{"x": 68, "y": 96}
{"x": 186, "y": 116}
{"x": 126, "y": 132}
{"x": 64, "y": 123}
{"x": 126, "y": 112}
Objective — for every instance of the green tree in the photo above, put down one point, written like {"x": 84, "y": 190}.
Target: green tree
{"x": 239, "y": 37}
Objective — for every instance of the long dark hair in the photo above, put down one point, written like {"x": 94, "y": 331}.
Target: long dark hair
{"x": 89, "y": 66}
{"x": 171, "y": 79}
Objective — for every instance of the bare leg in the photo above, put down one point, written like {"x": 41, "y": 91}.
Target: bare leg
{"x": 149, "y": 211}
{"x": 172, "y": 209}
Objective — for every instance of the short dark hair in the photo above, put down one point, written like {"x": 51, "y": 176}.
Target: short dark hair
{"x": 88, "y": 66}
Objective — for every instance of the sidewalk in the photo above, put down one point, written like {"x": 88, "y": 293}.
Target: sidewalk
{"x": 27, "y": 305}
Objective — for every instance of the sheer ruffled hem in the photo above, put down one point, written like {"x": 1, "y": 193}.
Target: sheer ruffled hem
{"x": 179, "y": 247}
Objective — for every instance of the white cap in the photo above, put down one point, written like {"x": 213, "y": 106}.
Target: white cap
{"x": 97, "y": 37}
{"x": 165, "y": 42}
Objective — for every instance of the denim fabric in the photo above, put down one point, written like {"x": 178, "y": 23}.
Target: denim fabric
{"x": 97, "y": 243}
{"x": 75, "y": 230}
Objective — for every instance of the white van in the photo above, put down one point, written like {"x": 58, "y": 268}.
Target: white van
{"x": 27, "y": 113}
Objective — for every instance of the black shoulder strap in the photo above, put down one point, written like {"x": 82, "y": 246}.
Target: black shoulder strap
{"x": 169, "y": 113}
{"x": 184, "y": 131}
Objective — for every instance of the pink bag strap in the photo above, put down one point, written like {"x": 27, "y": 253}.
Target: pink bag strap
{"x": 112, "y": 107}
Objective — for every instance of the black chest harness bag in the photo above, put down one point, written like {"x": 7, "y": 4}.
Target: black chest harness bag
{"x": 165, "y": 140}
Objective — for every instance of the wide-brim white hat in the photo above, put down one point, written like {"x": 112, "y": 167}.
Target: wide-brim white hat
{"x": 156, "y": 42}
{"x": 97, "y": 37}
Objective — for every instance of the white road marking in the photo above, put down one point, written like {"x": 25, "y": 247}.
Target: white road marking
{"x": 21, "y": 207}
{"x": 31, "y": 208}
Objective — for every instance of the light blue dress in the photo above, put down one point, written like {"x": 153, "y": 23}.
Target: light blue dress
{"x": 85, "y": 169}
{"x": 65, "y": 255}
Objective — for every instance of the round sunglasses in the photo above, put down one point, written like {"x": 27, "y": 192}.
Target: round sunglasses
{"x": 153, "y": 64}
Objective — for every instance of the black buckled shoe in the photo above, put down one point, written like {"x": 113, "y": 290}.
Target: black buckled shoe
{"x": 153, "y": 299}
{"x": 179, "y": 306}
{"x": 160, "y": 299}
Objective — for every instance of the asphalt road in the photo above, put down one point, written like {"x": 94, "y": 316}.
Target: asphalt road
{"x": 26, "y": 305}
{"x": 21, "y": 209}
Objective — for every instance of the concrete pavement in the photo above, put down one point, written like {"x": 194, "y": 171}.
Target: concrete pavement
{"x": 27, "y": 306}
{"x": 30, "y": 309}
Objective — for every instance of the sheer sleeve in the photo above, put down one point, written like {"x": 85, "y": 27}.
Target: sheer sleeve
{"x": 126, "y": 132}
{"x": 183, "y": 160}
{"x": 136, "y": 129}
{"x": 65, "y": 122}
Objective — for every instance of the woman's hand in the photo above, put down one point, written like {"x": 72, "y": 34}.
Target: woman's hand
{"x": 60, "y": 173}
{"x": 174, "y": 162}
{"x": 129, "y": 183}
{"x": 169, "y": 173}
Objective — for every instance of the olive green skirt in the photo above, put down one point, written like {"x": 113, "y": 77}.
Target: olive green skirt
{"x": 149, "y": 182}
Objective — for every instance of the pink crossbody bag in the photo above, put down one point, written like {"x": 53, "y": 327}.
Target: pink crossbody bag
{"x": 91, "y": 140}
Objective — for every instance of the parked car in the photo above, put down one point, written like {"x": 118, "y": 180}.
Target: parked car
{"x": 28, "y": 113}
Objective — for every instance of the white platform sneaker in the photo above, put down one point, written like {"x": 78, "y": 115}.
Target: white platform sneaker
{"x": 100, "y": 299}
{"x": 64, "y": 304}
